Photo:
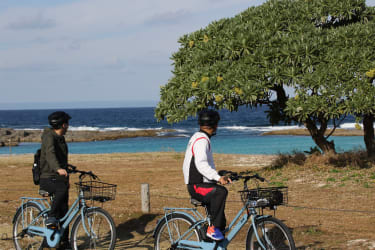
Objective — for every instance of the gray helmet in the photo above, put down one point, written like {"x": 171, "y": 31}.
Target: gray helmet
{"x": 58, "y": 118}
{"x": 208, "y": 117}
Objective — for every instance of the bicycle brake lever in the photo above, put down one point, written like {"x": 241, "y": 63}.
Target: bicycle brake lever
{"x": 71, "y": 168}
{"x": 223, "y": 172}
{"x": 259, "y": 178}
{"x": 92, "y": 175}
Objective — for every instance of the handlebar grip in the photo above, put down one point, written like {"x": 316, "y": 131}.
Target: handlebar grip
{"x": 229, "y": 174}
{"x": 71, "y": 168}
{"x": 223, "y": 172}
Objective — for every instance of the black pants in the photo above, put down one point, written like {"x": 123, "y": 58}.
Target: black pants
{"x": 214, "y": 197}
{"x": 60, "y": 204}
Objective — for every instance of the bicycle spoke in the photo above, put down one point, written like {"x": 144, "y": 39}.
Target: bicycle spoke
{"x": 171, "y": 231}
{"x": 100, "y": 232}
{"x": 272, "y": 236}
{"x": 25, "y": 217}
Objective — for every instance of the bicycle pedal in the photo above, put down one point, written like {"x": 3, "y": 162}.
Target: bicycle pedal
{"x": 53, "y": 227}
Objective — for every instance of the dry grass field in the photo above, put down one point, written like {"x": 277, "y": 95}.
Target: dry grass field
{"x": 330, "y": 207}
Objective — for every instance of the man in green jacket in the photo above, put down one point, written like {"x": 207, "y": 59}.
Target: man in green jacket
{"x": 54, "y": 177}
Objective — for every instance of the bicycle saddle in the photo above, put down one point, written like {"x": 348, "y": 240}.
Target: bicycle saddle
{"x": 43, "y": 193}
{"x": 196, "y": 202}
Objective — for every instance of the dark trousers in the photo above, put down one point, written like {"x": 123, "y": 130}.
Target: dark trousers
{"x": 213, "y": 196}
{"x": 60, "y": 202}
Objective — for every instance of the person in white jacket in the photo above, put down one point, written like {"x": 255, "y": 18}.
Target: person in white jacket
{"x": 200, "y": 174}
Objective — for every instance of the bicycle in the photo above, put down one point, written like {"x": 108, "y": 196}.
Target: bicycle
{"x": 185, "y": 228}
{"x": 93, "y": 227}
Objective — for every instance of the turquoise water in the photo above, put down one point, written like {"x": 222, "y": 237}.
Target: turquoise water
{"x": 239, "y": 132}
{"x": 220, "y": 144}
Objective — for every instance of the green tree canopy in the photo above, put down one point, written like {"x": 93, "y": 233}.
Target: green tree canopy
{"x": 321, "y": 48}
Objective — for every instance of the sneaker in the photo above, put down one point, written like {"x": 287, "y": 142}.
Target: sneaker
{"x": 51, "y": 223}
{"x": 214, "y": 233}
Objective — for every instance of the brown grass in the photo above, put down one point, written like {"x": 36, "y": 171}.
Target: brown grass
{"x": 318, "y": 192}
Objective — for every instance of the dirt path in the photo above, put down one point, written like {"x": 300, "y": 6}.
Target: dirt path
{"x": 326, "y": 190}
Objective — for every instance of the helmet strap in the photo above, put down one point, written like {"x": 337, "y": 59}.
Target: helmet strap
{"x": 208, "y": 134}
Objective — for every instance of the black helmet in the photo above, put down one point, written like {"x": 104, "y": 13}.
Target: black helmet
{"x": 58, "y": 118}
{"x": 208, "y": 117}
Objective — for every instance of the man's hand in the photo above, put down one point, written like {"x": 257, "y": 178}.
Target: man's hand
{"x": 62, "y": 171}
{"x": 224, "y": 180}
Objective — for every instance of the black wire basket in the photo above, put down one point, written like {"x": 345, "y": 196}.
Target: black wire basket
{"x": 97, "y": 190}
{"x": 265, "y": 197}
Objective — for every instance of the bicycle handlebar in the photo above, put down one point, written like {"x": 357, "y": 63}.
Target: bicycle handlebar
{"x": 234, "y": 176}
{"x": 73, "y": 169}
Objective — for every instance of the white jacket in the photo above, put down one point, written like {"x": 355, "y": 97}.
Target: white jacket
{"x": 199, "y": 146}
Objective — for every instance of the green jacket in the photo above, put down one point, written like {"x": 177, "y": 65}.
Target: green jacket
{"x": 54, "y": 154}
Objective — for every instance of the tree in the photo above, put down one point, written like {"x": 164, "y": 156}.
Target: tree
{"x": 251, "y": 58}
{"x": 325, "y": 91}
{"x": 360, "y": 63}
{"x": 362, "y": 103}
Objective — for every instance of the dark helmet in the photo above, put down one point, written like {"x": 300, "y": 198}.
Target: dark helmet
{"x": 58, "y": 118}
{"x": 208, "y": 117}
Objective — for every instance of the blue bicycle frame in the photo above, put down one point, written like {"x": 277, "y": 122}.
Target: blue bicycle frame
{"x": 53, "y": 236}
{"x": 234, "y": 227}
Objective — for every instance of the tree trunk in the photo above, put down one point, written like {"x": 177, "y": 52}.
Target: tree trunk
{"x": 368, "y": 128}
{"x": 282, "y": 98}
{"x": 318, "y": 135}
{"x": 276, "y": 112}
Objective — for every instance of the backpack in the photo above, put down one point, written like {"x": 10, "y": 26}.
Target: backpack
{"x": 36, "y": 167}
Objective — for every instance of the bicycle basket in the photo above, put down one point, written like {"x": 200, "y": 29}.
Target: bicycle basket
{"x": 274, "y": 195}
{"x": 97, "y": 190}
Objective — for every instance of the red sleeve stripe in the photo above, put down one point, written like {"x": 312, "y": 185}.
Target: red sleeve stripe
{"x": 192, "y": 148}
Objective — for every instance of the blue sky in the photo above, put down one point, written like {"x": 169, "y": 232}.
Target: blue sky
{"x": 96, "y": 53}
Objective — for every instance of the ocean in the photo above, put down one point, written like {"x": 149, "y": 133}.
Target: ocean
{"x": 239, "y": 132}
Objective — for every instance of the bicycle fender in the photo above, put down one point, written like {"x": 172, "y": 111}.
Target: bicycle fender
{"x": 40, "y": 205}
{"x": 87, "y": 209}
{"x": 160, "y": 221}
{"x": 257, "y": 218}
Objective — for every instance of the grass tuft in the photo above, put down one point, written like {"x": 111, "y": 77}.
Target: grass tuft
{"x": 296, "y": 158}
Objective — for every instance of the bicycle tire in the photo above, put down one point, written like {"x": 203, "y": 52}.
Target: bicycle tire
{"x": 178, "y": 224}
{"x": 102, "y": 225}
{"x": 272, "y": 233}
{"x": 30, "y": 211}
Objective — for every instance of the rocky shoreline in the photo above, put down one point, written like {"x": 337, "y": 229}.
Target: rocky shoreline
{"x": 12, "y": 137}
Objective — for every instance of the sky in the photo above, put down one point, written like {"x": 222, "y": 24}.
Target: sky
{"x": 96, "y": 53}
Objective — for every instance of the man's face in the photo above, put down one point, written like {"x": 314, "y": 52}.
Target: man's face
{"x": 211, "y": 130}
{"x": 65, "y": 127}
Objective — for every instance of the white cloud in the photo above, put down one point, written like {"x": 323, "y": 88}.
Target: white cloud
{"x": 38, "y": 21}
{"x": 88, "y": 32}
{"x": 169, "y": 18}
{"x": 113, "y": 49}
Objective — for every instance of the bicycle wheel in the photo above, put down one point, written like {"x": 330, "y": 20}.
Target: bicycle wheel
{"x": 178, "y": 224}
{"x": 99, "y": 225}
{"x": 272, "y": 233}
{"x": 24, "y": 216}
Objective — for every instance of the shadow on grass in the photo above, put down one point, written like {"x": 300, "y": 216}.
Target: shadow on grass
{"x": 311, "y": 230}
{"x": 125, "y": 233}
